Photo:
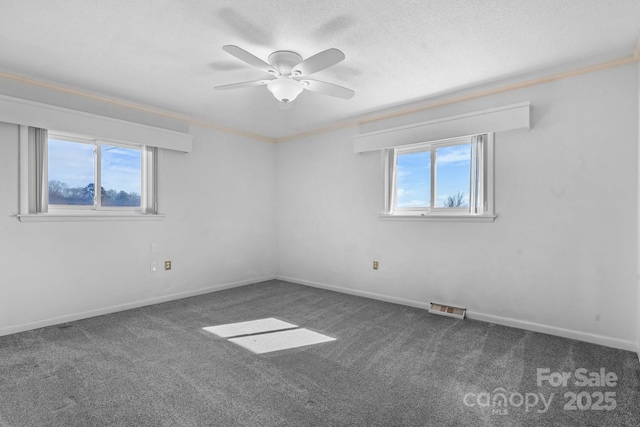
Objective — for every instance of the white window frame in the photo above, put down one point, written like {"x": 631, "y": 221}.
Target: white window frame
{"x": 148, "y": 209}
{"x": 433, "y": 213}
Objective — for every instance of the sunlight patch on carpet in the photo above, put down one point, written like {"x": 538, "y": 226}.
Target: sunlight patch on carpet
{"x": 250, "y": 327}
{"x": 275, "y": 341}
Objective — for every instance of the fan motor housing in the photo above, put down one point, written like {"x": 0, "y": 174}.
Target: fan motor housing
{"x": 284, "y": 60}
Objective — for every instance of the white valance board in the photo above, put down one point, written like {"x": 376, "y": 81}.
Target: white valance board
{"x": 30, "y": 113}
{"x": 510, "y": 117}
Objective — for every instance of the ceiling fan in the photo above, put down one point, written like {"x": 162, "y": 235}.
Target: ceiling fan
{"x": 289, "y": 73}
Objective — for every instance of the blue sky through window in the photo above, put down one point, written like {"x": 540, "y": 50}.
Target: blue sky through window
{"x": 413, "y": 179}
{"x": 121, "y": 169}
{"x": 72, "y": 163}
{"x": 452, "y": 173}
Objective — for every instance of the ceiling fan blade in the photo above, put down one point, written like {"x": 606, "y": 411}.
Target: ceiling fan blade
{"x": 249, "y": 58}
{"x": 328, "y": 89}
{"x": 317, "y": 62}
{"x": 243, "y": 84}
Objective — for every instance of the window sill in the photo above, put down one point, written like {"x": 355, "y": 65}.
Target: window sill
{"x": 89, "y": 216}
{"x": 439, "y": 218}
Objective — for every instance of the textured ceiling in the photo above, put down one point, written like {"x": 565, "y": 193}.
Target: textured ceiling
{"x": 168, "y": 54}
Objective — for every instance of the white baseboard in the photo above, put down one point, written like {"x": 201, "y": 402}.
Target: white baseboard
{"x": 530, "y": 326}
{"x": 372, "y": 295}
{"x": 514, "y": 323}
{"x": 122, "y": 307}
{"x": 552, "y": 330}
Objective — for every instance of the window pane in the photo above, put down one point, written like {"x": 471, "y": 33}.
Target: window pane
{"x": 121, "y": 177}
{"x": 452, "y": 176}
{"x": 70, "y": 173}
{"x": 413, "y": 180}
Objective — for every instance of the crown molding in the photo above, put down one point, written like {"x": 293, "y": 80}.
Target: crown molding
{"x": 131, "y": 105}
{"x": 614, "y": 63}
{"x": 619, "y": 62}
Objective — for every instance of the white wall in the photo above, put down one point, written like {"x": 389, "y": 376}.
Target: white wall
{"x": 638, "y": 310}
{"x": 560, "y": 258}
{"x": 219, "y": 231}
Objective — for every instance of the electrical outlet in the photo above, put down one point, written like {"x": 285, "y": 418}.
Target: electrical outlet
{"x": 375, "y": 265}
{"x": 167, "y": 265}
{"x": 154, "y": 266}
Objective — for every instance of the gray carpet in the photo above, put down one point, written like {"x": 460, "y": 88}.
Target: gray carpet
{"x": 391, "y": 365}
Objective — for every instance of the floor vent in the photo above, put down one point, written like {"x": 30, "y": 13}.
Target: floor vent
{"x": 447, "y": 310}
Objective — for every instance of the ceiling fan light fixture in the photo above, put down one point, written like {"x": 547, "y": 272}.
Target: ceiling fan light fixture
{"x": 285, "y": 90}
{"x": 290, "y": 71}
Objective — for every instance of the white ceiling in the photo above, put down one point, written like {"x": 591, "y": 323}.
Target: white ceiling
{"x": 168, "y": 54}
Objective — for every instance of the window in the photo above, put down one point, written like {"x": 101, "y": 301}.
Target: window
{"x": 85, "y": 173}
{"x": 451, "y": 177}
{"x": 83, "y": 178}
